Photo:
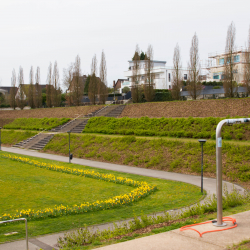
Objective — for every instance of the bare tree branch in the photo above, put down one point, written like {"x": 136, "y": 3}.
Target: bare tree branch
{"x": 149, "y": 84}
{"x": 103, "y": 88}
{"x": 94, "y": 82}
{"x": 193, "y": 84}
{"x": 177, "y": 79}
{"x": 13, "y": 102}
{"x": 136, "y": 88}
{"x": 49, "y": 87}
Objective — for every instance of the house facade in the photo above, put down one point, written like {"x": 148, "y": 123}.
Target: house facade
{"x": 163, "y": 75}
{"x": 216, "y": 65}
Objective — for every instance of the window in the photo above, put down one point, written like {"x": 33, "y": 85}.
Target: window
{"x": 185, "y": 76}
{"x": 221, "y": 61}
{"x": 169, "y": 77}
{"x": 142, "y": 77}
{"x": 237, "y": 58}
{"x": 216, "y": 77}
{"x": 169, "y": 86}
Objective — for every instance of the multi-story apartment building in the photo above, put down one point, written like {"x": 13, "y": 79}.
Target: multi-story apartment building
{"x": 216, "y": 65}
{"x": 162, "y": 74}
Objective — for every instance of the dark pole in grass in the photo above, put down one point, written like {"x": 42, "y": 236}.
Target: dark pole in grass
{"x": 69, "y": 145}
{"x": 0, "y": 138}
{"x": 202, "y": 141}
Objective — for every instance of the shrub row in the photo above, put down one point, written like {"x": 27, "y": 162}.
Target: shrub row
{"x": 36, "y": 123}
{"x": 173, "y": 127}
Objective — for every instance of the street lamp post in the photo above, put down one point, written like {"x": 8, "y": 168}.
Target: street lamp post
{"x": 69, "y": 146}
{"x": 202, "y": 141}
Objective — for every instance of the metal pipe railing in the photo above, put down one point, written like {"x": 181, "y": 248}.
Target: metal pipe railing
{"x": 219, "y": 222}
{"x": 26, "y": 228}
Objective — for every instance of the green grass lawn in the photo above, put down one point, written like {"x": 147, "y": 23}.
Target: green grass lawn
{"x": 25, "y": 186}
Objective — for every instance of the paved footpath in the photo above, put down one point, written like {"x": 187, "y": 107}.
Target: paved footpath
{"x": 48, "y": 242}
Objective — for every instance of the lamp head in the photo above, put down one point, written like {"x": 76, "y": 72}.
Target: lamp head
{"x": 202, "y": 141}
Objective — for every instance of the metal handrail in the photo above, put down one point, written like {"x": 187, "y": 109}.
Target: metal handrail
{"x": 26, "y": 228}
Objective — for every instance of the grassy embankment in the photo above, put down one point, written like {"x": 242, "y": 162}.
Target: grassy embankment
{"x": 44, "y": 190}
{"x": 170, "y": 127}
{"x": 170, "y": 155}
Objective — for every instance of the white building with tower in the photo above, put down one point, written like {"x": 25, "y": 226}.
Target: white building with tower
{"x": 162, "y": 74}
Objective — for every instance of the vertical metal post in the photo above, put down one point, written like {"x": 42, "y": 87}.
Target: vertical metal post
{"x": 202, "y": 141}
{"x": 26, "y": 229}
{"x": 69, "y": 145}
{"x": 202, "y": 168}
{"x": 219, "y": 222}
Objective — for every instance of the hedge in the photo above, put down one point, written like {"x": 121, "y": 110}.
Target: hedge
{"x": 36, "y": 123}
{"x": 172, "y": 127}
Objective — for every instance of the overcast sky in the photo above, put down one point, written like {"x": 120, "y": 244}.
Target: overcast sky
{"x": 37, "y": 32}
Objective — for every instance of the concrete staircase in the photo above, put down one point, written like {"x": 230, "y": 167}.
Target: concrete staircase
{"x": 116, "y": 111}
{"x": 74, "y": 126}
{"x": 80, "y": 127}
{"x": 111, "y": 111}
{"x": 37, "y": 142}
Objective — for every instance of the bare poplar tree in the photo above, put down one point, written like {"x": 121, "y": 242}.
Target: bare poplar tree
{"x": 56, "y": 91}
{"x": 246, "y": 76}
{"x": 77, "y": 82}
{"x": 94, "y": 82}
{"x": 177, "y": 74}
{"x": 194, "y": 85}
{"x": 21, "y": 95}
{"x": 67, "y": 81}
{"x": 135, "y": 86}
{"x": 31, "y": 89}
{"x": 49, "y": 87}
{"x": 103, "y": 88}
{"x": 229, "y": 79}
{"x": 38, "y": 90}
{"x": 13, "y": 102}
{"x": 149, "y": 84}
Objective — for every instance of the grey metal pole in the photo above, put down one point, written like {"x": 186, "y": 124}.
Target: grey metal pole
{"x": 202, "y": 168}
{"x": 219, "y": 222}
{"x": 69, "y": 146}
{"x": 219, "y": 173}
{"x": 26, "y": 229}
{"x": 202, "y": 141}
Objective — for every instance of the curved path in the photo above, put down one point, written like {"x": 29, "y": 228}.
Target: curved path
{"x": 48, "y": 242}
